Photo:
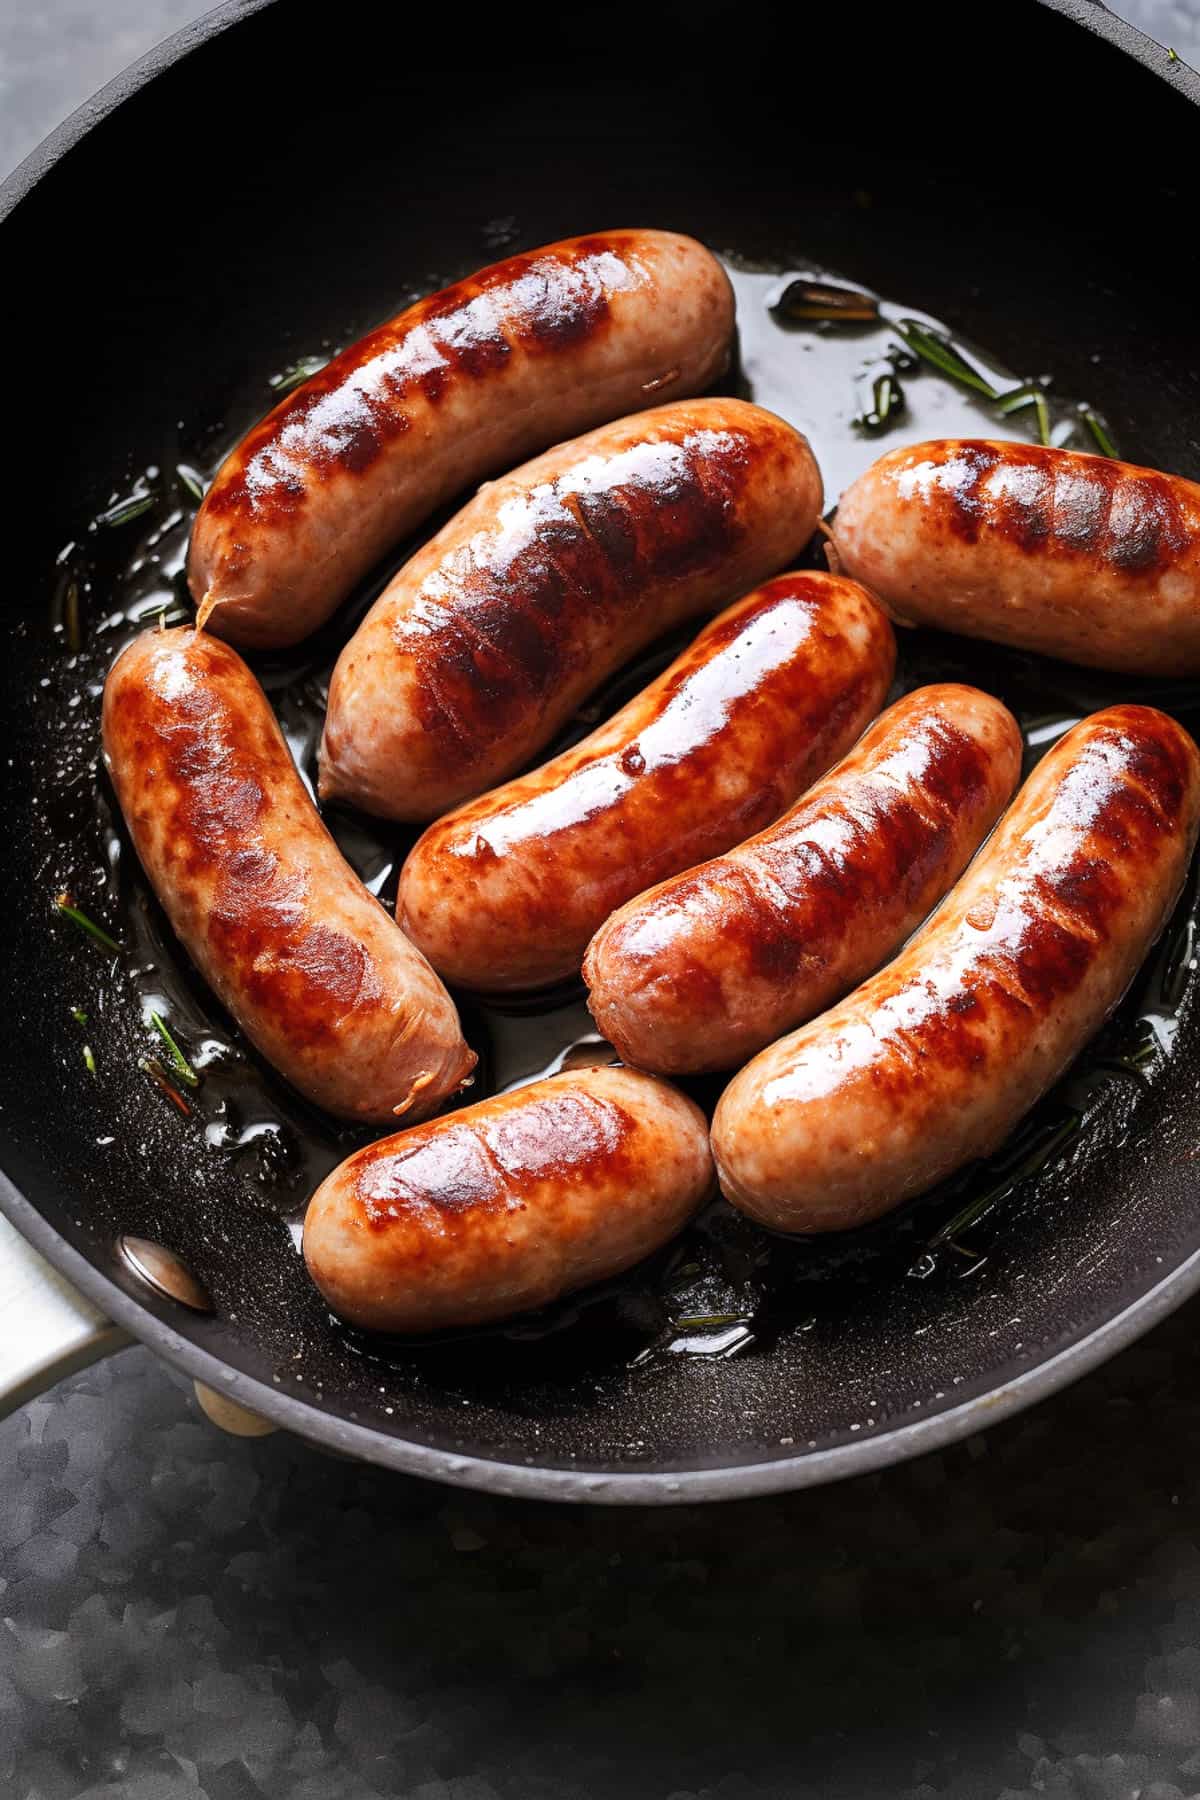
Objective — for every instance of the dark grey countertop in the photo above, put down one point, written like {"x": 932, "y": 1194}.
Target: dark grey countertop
{"x": 185, "y": 1615}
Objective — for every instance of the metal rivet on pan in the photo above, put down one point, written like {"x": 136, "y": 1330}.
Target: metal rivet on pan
{"x": 160, "y": 1269}
{"x": 230, "y": 1416}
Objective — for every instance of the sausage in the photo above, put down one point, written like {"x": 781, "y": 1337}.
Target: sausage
{"x": 505, "y": 892}
{"x": 472, "y": 379}
{"x": 933, "y": 1061}
{"x": 310, "y": 965}
{"x": 487, "y": 641}
{"x": 505, "y": 1205}
{"x": 703, "y": 971}
{"x": 1080, "y": 557}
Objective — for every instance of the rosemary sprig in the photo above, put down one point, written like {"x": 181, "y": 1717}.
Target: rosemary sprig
{"x": 818, "y": 301}
{"x": 77, "y": 916}
{"x": 296, "y": 373}
{"x": 941, "y": 354}
{"x": 189, "y": 480}
{"x": 1030, "y": 393}
{"x": 709, "y": 1321}
{"x": 182, "y": 1066}
{"x": 168, "y": 614}
{"x": 71, "y": 625}
{"x": 1016, "y": 400}
{"x": 123, "y": 511}
{"x": 887, "y": 399}
{"x": 1096, "y": 426}
{"x": 151, "y": 1066}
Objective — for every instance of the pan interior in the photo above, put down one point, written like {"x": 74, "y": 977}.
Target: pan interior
{"x": 341, "y": 198}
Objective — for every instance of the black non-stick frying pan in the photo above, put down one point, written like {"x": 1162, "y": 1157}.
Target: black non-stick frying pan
{"x": 272, "y": 182}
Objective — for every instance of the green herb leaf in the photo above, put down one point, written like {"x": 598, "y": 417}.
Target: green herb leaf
{"x": 182, "y": 1065}
{"x": 79, "y": 1016}
{"x": 123, "y": 511}
{"x": 941, "y": 354}
{"x": 189, "y": 480}
{"x": 1017, "y": 399}
{"x": 817, "y": 301}
{"x": 887, "y": 401}
{"x": 1030, "y": 393}
{"x": 151, "y": 1066}
{"x": 89, "y": 1061}
{"x": 302, "y": 370}
{"x": 168, "y": 614}
{"x": 709, "y": 1321}
{"x": 1099, "y": 431}
{"x": 80, "y": 918}
{"x": 72, "y": 630}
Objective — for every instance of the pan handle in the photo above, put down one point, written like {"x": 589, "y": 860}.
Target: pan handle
{"x": 47, "y": 1329}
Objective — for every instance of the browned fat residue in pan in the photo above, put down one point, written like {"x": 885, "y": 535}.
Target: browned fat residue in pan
{"x": 439, "y": 1175}
{"x": 514, "y": 622}
{"x": 1053, "y": 913}
{"x": 1062, "y": 506}
{"x": 209, "y": 770}
{"x": 345, "y": 416}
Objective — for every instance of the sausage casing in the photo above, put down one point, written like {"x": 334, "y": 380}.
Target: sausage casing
{"x": 487, "y": 641}
{"x": 314, "y": 971}
{"x": 471, "y": 379}
{"x": 505, "y": 1205}
{"x": 932, "y": 1062}
{"x": 704, "y": 970}
{"x": 1080, "y": 557}
{"x": 505, "y": 892}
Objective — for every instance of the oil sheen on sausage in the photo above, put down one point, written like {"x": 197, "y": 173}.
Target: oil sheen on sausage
{"x": 1080, "y": 557}
{"x": 505, "y": 1205}
{"x": 472, "y": 379}
{"x": 487, "y": 641}
{"x": 314, "y": 971}
{"x": 934, "y": 1060}
{"x": 505, "y": 892}
{"x": 706, "y": 969}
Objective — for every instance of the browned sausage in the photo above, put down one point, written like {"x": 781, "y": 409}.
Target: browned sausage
{"x": 472, "y": 379}
{"x": 706, "y": 969}
{"x": 505, "y": 892}
{"x": 508, "y": 1204}
{"x": 486, "y": 642}
{"x": 309, "y": 964}
{"x": 1077, "y": 556}
{"x": 932, "y": 1062}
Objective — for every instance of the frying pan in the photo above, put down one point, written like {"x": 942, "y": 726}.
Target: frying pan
{"x": 257, "y": 188}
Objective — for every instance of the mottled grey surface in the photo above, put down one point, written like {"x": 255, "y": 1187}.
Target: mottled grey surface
{"x": 185, "y": 1615}
{"x": 190, "y": 1615}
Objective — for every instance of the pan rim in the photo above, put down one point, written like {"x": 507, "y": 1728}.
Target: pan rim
{"x": 807, "y": 1468}
{"x": 1089, "y": 15}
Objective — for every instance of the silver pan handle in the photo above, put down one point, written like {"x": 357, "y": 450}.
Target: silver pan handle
{"x": 47, "y": 1329}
